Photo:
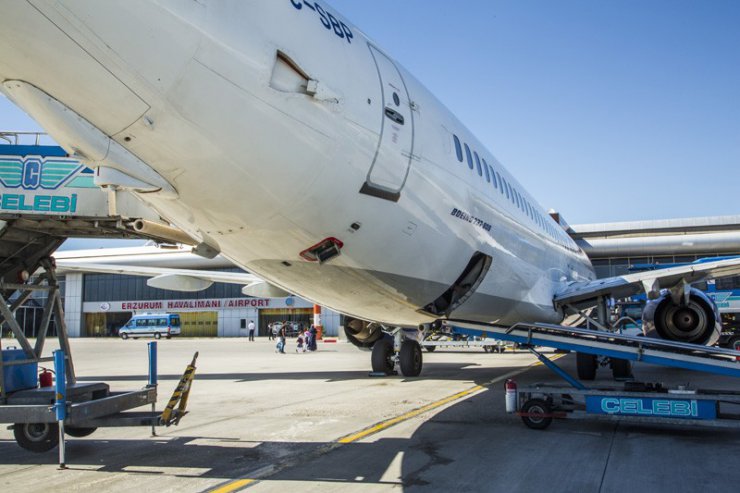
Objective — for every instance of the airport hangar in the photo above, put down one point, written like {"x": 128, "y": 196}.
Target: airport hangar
{"x": 97, "y": 304}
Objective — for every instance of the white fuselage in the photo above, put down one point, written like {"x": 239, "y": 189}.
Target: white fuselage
{"x": 268, "y": 124}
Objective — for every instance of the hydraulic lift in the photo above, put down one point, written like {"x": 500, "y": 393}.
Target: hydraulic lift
{"x": 539, "y": 404}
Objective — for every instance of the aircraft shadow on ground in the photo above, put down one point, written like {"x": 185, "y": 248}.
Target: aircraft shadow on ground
{"x": 467, "y": 444}
{"x": 432, "y": 371}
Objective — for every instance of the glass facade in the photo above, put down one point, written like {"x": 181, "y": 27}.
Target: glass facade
{"x": 618, "y": 266}
{"x": 110, "y": 287}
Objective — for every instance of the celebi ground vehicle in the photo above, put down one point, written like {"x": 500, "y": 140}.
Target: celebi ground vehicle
{"x": 155, "y": 325}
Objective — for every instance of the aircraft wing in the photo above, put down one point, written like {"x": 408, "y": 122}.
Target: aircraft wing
{"x": 650, "y": 281}
{"x": 178, "y": 279}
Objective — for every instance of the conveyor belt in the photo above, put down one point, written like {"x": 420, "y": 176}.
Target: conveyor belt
{"x": 649, "y": 350}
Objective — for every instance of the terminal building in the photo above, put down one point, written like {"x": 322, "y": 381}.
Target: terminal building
{"x": 97, "y": 305}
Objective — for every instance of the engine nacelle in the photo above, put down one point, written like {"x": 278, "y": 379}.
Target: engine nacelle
{"x": 361, "y": 333}
{"x": 697, "y": 322}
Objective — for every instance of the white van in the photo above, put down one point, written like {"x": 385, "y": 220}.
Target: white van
{"x": 155, "y": 325}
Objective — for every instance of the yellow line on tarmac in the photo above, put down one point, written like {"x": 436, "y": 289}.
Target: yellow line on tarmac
{"x": 416, "y": 412}
{"x": 241, "y": 483}
{"x": 398, "y": 419}
{"x": 233, "y": 486}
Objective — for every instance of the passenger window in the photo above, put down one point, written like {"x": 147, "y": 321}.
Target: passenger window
{"x": 458, "y": 149}
{"x": 500, "y": 182}
{"x": 469, "y": 156}
{"x": 485, "y": 168}
{"x": 493, "y": 175}
{"x": 477, "y": 163}
{"x": 506, "y": 187}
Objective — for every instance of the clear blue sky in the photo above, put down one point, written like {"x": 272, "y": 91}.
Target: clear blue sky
{"x": 604, "y": 110}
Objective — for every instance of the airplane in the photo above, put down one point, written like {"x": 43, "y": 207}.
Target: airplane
{"x": 280, "y": 136}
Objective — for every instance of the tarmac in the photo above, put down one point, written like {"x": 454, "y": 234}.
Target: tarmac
{"x": 262, "y": 421}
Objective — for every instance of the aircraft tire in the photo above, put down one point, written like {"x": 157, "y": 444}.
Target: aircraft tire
{"x": 411, "y": 360}
{"x": 621, "y": 368}
{"x": 79, "y": 432}
{"x": 586, "y": 365}
{"x": 536, "y": 411}
{"x": 36, "y": 437}
{"x": 382, "y": 357}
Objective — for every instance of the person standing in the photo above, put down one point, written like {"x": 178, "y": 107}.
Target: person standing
{"x": 251, "y": 328}
{"x": 281, "y": 342}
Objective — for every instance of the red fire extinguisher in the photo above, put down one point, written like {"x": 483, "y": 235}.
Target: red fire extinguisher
{"x": 511, "y": 396}
{"x": 46, "y": 378}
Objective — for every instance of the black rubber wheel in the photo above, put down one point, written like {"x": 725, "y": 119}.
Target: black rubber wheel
{"x": 78, "y": 432}
{"x": 36, "y": 437}
{"x": 536, "y": 411}
{"x": 734, "y": 343}
{"x": 430, "y": 348}
{"x": 382, "y": 357}
{"x": 621, "y": 368}
{"x": 157, "y": 335}
{"x": 411, "y": 361}
{"x": 487, "y": 349}
{"x": 586, "y": 366}
{"x": 124, "y": 336}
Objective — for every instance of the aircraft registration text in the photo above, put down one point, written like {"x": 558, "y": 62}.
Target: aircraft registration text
{"x": 329, "y": 21}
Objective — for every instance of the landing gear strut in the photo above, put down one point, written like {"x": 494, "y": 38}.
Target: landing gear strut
{"x": 401, "y": 350}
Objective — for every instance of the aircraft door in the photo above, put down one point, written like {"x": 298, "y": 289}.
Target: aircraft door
{"x": 390, "y": 166}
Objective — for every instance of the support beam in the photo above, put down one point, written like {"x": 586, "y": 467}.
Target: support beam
{"x": 17, "y": 331}
{"x": 46, "y": 320}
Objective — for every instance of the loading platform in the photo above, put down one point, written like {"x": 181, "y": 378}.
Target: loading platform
{"x": 601, "y": 343}
{"x": 637, "y": 402}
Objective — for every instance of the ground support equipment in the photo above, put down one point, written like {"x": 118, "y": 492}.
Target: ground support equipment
{"x": 601, "y": 343}
{"x": 633, "y": 402}
{"x": 42, "y": 416}
{"x": 489, "y": 345}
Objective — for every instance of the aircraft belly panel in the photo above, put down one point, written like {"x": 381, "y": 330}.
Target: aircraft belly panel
{"x": 62, "y": 68}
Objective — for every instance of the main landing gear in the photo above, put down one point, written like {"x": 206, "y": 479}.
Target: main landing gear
{"x": 399, "y": 349}
{"x": 587, "y": 364}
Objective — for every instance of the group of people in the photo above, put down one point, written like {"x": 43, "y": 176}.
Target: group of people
{"x": 305, "y": 341}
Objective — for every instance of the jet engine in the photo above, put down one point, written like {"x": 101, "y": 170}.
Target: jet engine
{"x": 696, "y": 321}
{"x": 361, "y": 333}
